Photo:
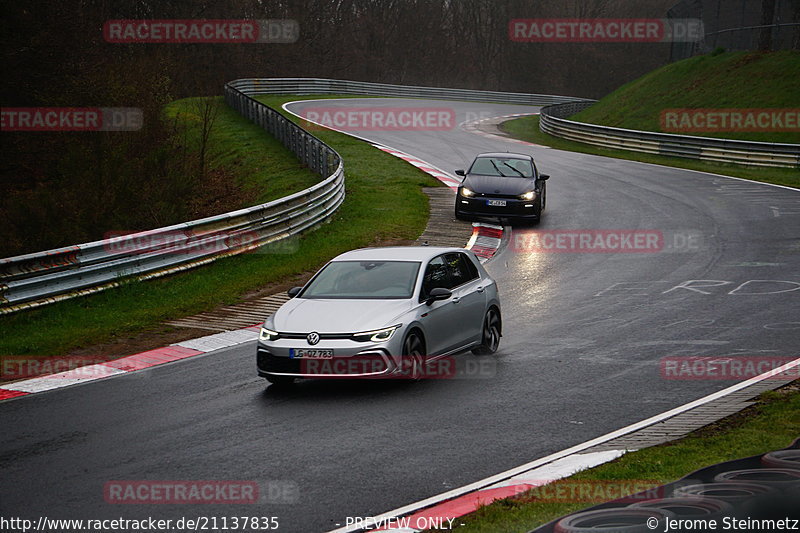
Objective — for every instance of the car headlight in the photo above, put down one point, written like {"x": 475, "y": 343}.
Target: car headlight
{"x": 467, "y": 193}
{"x": 267, "y": 334}
{"x": 376, "y": 335}
{"x": 530, "y": 195}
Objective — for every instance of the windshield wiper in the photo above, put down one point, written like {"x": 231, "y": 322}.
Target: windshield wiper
{"x": 497, "y": 168}
{"x": 514, "y": 169}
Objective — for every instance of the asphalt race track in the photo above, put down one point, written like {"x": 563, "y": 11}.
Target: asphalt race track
{"x": 584, "y": 334}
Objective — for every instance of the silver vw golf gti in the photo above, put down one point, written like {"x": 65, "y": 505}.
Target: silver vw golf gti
{"x": 382, "y": 312}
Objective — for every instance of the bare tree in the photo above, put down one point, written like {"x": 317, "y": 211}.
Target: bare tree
{"x": 207, "y": 110}
{"x": 796, "y": 18}
{"x": 767, "y": 19}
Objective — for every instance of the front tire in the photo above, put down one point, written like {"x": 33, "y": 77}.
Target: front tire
{"x": 543, "y": 204}
{"x": 491, "y": 333}
{"x": 413, "y": 358}
{"x": 539, "y": 210}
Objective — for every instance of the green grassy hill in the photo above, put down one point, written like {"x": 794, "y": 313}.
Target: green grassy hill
{"x": 727, "y": 80}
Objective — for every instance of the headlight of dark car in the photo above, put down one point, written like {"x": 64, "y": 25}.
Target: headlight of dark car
{"x": 467, "y": 193}
{"x": 530, "y": 195}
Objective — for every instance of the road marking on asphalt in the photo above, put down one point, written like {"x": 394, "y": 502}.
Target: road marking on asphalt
{"x": 561, "y": 468}
{"x": 703, "y": 287}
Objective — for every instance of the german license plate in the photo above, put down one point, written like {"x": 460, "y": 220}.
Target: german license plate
{"x": 302, "y": 353}
{"x": 496, "y": 203}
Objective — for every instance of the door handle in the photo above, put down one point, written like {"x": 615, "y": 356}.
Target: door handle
{"x": 456, "y": 299}
{"x": 479, "y": 289}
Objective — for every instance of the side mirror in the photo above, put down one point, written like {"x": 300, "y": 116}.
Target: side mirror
{"x": 460, "y": 173}
{"x": 544, "y": 177}
{"x": 439, "y": 293}
{"x": 294, "y": 291}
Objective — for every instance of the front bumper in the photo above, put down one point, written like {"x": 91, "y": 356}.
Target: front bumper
{"x": 350, "y": 359}
{"x": 513, "y": 208}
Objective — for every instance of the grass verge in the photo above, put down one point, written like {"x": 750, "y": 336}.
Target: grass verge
{"x": 384, "y": 202}
{"x": 771, "y": 424}
{"x": 253, "y": 161}
{"x": 733, "y": 80}
{"x": 527, "y": 129}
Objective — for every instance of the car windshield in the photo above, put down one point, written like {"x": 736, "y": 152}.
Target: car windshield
{"x": 502, "y": 166}
{"x": 373, "y": 280}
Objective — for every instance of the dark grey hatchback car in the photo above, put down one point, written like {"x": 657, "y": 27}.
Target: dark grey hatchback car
{"x": 503, "y": 185}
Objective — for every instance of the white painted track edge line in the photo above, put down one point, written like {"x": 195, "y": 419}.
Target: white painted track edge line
{"x": 428, "y": 502}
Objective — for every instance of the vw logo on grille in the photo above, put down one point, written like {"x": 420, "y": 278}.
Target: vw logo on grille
{"x": 312, "y": 338}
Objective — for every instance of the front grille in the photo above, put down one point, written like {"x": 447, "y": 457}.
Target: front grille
{"x": 498, "y": 196}
{"x": 321, "y": 335}
{"x": 280, "y": 365}
{"x": 367, "y": 363}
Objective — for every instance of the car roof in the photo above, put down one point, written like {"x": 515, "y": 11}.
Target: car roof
{"x": 505, "y": 154}
{"x": 395, "y": 253}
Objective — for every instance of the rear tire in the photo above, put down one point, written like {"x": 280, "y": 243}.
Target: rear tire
{"x": 490, "y": 333}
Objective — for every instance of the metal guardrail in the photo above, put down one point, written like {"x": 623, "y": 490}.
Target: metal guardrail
{"x": 305, "y": 86}
{"x": 553, "y": 121}
{"x": 36, "y": 279}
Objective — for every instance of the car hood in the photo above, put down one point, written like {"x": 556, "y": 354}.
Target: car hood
{"x": 301, "y": 315}
{"x": 498, "y": 185}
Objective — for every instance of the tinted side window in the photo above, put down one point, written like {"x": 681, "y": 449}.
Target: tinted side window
{"x": 461, "y": 269}
{"x": 473, "y": 270}
{"x": 436, "y": 275}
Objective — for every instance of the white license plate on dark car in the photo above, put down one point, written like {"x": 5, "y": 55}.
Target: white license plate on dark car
{"x": 302, "y": 353}
{"x": 496, "y": 203}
